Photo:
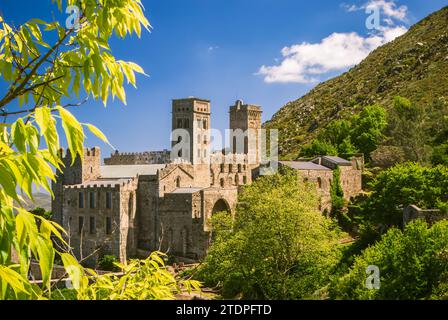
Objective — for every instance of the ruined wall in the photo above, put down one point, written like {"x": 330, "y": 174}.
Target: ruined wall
{"x": 79, "y": 172}
{"x": 177, "y": 225}
{"x": 322, "y": 179}
{"x": 147, "y": 212}
{"x": 148, "y": 157}
{"x": 351, "y": 181}
{"x": 104, "y": 230}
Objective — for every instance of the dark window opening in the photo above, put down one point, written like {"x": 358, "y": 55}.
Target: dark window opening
{"x": 81, "y": 200}
{"x": 92, "y": 225}
{"x": 80, "y": 224}
{"x": 92, "y": 200}
{"x": 108, "y": 200}
{"x": 108, "y": 225}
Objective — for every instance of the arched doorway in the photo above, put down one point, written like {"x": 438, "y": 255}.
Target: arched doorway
{"x": 220, "y": 206}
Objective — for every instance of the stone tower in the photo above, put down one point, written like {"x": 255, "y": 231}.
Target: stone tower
{"x": 246, "y": 118}
{"x": 193, "y": 115}
{"x": 78, "y": 173}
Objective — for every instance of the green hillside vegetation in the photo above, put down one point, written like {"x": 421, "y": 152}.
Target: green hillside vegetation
{"x": 414, "y": 66}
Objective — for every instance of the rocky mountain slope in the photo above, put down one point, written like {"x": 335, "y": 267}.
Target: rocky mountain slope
{"x": 414, "y": 66}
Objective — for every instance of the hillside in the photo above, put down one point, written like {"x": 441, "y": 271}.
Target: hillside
{"x": 414, "y": 65}
{"x": 41, "y": 200}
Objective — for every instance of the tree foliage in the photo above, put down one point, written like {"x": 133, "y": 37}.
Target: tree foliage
{"x": 361, "y": 133}
{"x": 413, "y": 265}
{"x": 277, "y": 247}
{"x": 400, "y": 186}
{"x": 42, "y": 64}
{"x": 336, "y": 193}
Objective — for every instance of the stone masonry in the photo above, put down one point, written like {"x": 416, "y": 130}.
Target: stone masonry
{"x": 140, "y": 202}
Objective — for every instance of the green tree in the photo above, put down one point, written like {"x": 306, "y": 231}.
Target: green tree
{"x": 337, "y": 193}
{"x": 42, "y": 64}
{"x": 408, "y": 129}
{"x": 367, "y": 129}
{"x": 277, "y": 247}
{"x": 400, "y": 186}
{"x": 362, "y": 133}
{"x": 413, "y": 265}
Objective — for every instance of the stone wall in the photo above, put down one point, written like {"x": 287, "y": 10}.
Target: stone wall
{"x": 431, "y": 216}
{"x": 148, "y": 157}
{"x": 97, "y": 238}
{"x": 80, "y": 171}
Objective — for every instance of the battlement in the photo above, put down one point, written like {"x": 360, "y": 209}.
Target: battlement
{"x": 87, "y": 152}
{"x": 93, "y": 185}
{"x": 145, "y": 157}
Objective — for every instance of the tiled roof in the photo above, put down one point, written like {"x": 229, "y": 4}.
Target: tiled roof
{"x": 129, "y": 171}
{"x": 303, "y": 165}
{"x": 337, "y": 160}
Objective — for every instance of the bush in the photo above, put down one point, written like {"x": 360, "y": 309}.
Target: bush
{"x": 107, "y": 263}
{"x": 413, "y": 265}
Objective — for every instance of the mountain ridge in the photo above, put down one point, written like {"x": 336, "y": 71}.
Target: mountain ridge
{"x": 409, "y": 66}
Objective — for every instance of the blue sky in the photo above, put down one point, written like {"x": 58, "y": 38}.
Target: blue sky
{"x": 225, "y": 50}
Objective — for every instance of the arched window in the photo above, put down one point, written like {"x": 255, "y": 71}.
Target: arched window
{"x": 178, "y": 182}
{"x": 222, "y": 182}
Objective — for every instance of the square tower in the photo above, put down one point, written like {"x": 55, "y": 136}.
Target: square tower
{"x": 193, "y": 116}
{"x": 246, "y": 118}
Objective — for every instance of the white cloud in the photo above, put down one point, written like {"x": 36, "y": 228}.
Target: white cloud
{"x": 389, "y": 9}
{"x": 303, "y": 63}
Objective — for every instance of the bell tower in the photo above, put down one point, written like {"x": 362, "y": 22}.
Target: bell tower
{"x": 193, "y": 116}
{"x": 246, "y": 118}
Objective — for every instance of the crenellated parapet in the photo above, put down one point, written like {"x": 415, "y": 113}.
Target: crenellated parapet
{"x": 134, "y": 158}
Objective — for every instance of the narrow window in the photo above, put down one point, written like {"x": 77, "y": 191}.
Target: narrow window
{"x": 108, "y": 200}
{"x": 92, "y": 225}
{"x": 108, "y": 225}
{"x": 230, "y": 168}
{"x": 222, "y": 167}
{"x": 81, "y": 200}
{"x": 244, "y": 179}
{"x": 178, "y": 182}
{"x": 319, "y": 183}
{"x": 92, "y": 200}
{"x": 179, "y": 123}
{"x": 80, "y": 224}
{"x": 222, "y": 182}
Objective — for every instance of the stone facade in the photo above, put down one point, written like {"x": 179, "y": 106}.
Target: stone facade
{"x": 140, "y": 202}
{"x": 148, "y": 157}
{"x": 320, "y": 172}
